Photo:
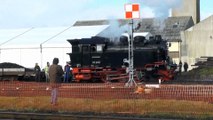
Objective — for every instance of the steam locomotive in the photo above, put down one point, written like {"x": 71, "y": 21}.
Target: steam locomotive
{"x": 100, "y": 59}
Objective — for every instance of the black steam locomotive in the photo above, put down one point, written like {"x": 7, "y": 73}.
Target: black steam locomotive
{"x": 98, "y": 57}
{"x": 101, "y": 52}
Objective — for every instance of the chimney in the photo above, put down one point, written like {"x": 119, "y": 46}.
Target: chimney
{"x": 188, "y": 8}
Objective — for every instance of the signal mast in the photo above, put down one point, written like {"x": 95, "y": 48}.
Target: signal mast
{"x": 132, "y": 12}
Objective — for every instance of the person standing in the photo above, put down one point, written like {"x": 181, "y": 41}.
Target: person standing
{"x": 37, "y": 71}
{"x": 67, "y": 70}
{"x": 55, "y": 74}
{"x": 180, "y": 67}
{"x": 185, "y": 66}
{"x": 46, "y": 70}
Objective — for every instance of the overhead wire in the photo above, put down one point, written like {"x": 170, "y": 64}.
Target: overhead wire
{"x": 16, "y": 36}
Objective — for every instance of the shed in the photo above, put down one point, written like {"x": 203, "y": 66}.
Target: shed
{"x": 40, "y": 45}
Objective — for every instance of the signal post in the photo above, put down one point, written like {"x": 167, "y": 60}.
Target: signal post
{"x": 132, "y": 12}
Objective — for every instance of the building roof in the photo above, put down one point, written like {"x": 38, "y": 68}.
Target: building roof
{"x": 99, "y": 22}
{"x": 77, "y": 32}
{"x": 204, "y": 25}
{"x": 169, "y": 29}
{"x": 91, "y": 22}
{"x": 174, "y": 25}
{"x": 47, "y": 37}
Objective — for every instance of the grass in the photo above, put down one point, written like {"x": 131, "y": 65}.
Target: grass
{"x": 202, "y": 71}
{"x": 150, "y": 108}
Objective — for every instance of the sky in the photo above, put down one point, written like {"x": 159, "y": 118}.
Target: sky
{"x": 54, "y": 13}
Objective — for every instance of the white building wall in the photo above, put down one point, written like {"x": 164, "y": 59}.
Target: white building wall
{"x": 198, "y": 41}
{"x": 28, "y": 57}
{"x": 175, "y": 48}
{"x": 49, "y": 53}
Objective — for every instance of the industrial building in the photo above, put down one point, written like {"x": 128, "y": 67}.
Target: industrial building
{"x": 197, "y": 41}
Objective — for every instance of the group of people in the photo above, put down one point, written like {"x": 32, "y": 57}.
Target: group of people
{"x": 54, "y": 74}
{"x": 38, "y": 75}
{"x": 185, "y": 66}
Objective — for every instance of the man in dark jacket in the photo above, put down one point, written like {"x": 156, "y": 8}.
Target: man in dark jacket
{"x": 55, "y": 74}
{"x": 180, "y": 67}
{"x": 37, "y": 71}
{"x": 185, "y": 66}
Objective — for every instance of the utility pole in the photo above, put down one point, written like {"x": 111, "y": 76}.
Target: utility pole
{"x": 41, "y": 57}
{"x": 52, "y": 37}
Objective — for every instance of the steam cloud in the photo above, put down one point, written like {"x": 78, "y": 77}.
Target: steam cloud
{"x": 160, "y": 8}
{"x": 114, "y": 30}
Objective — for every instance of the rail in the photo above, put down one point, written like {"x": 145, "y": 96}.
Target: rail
{"x": 56, "y": 116}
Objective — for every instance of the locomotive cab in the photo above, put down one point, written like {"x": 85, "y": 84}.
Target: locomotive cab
{"x": 87, "y": 51}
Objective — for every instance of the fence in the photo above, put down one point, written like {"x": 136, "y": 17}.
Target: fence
{"x": 107, "y": 98}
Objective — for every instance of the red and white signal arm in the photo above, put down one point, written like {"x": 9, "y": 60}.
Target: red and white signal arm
{"x": 132, "y": 11}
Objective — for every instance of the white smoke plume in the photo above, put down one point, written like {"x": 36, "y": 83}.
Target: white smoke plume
{"x": 161, "y": 8}
{"x": 115, "y": 30}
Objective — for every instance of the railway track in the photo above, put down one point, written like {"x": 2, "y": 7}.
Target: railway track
{"x": 58, "y": 116}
